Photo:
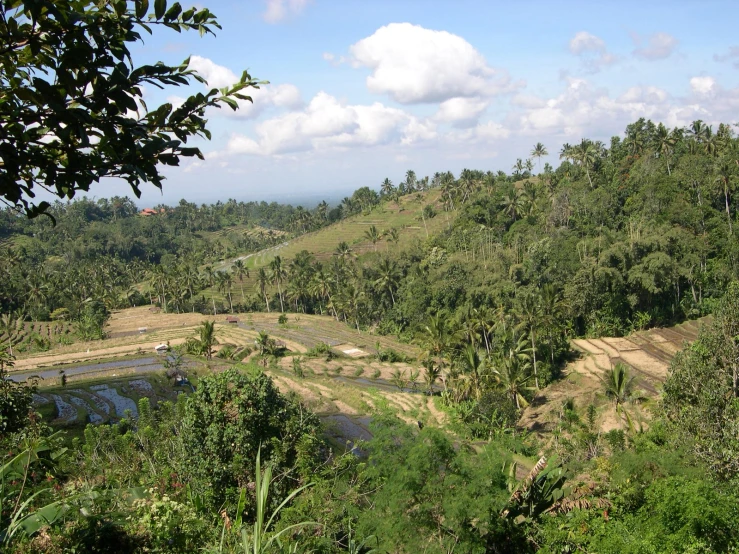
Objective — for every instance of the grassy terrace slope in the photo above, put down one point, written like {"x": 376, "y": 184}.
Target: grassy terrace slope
{"x": 405, "y": 216}
{"x": 301, "y": 333}
{"x": 346, "y": 391}
{"x": 647, "y": 354}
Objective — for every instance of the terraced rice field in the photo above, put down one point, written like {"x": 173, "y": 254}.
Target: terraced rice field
{"x": 310, "y": 330}
{"x": 647, "y": 354}
{"x": 345, "y": 391}
{"x": 136, "y": 331}
{"x": 100, "y": 403}
{"x": 36, "y": 336}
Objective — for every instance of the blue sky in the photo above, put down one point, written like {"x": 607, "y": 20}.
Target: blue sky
{"x": 363, "y": 90}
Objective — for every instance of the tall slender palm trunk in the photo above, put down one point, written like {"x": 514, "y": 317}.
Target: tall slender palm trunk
{"x": 533, "y": 351}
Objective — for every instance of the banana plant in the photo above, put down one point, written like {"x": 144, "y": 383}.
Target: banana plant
{"x": 261, "y": 539}
{"x": 21, "y": 520}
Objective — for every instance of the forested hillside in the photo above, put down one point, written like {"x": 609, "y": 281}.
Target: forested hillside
{"x": 489, "y": 275}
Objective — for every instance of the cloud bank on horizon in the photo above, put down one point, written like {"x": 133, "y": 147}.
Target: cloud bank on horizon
{"x": 434, "y": 98}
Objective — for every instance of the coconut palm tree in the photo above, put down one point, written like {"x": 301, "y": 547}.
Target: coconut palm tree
{"x": 431, "y": 375}
{"x": 518, "y": 168}
{"x": 665, "y": 142}
{"x": 472, "y": 365}
{"x": 372, "y": 235}
{"x": 223, "y": 283}
{"x": 321, "y": 286}
{"x": 388, "y": 277}
{"x": 278, "y": 274}
{"x": 513, "y": 203}
{"x": 207, "y": 338}
{"x": 392, "y": 235}
{"x": 511, "y": 376}
{"x": 529, "y": 165}
{"x": 240, "y": 271}
{"x": 262, "y": 282}
{"x": 410, "y": 181}
{"x": 387, "y": 187}
{"x": 528, "y": 311}
{"x": 210, "y": 277}
{"x": 619, "y": 385}
{"x": 538, "y": 152}
{"x": 343, "y": 251}
{"x": 585, "y": 154}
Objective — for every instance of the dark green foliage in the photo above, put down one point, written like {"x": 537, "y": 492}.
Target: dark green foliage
{"x": 702, "y": 391}
{"x": 16, "y": 399}
{"x": 679, "y": 515}
{"x": 223, "y": 425}
{"x": 92, "y": 319}
{"x": 433, "y": 497}
{"x": 49, "y": 127}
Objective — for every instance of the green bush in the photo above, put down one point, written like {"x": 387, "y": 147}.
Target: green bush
{"x": 223, "y": 425}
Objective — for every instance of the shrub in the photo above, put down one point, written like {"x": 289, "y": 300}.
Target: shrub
{"x": 223, "y": 425}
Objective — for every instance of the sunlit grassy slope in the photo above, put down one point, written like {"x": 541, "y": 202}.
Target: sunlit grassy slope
{"x": 405, "y": 216}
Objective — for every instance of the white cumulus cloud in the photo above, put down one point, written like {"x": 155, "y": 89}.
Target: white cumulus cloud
{"x": 658, "y": 46}
{"x": 279, "y": 10}
{"x": 216, "y": 75}
{"x": 417, "y": 65}
{"x": 279, "y": 96}
{"x": 461, "y": 112}
{"x": 703, "y": 85}
{"x": 592, "y": 51}
{"x": 327, "y": 123}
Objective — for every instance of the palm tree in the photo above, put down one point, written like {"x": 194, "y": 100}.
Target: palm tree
{"x": 372, "y": 235}
{"x": 190, "y": 280}
{"x": 567, "y": 152}
{"x": 513, "y": 203}
{"x": 472, "y": 365}
{"x": 343, "y": 251}
{"x": 387, "y": 187}
{"x": 529, "y": 165}
{"x": 410, "y": 181}
{"x": 538, "y": 152}
{"x": 392, "y": 235}
{"x": 207, "y": 338}
{"x": 210, "y": 276}
{"x": 619, "y": 385}
{"x": 388, "y": 277}
{"x": 511, "y": 377}
{"x": 529, "y": 313}
{"x": 278, "y": 275}
{"x": 240, "y": 271}
{"x": 518, "y": 168}
{"x": 432, "y": 374}
{"x": 224, "y": 282}
{"x": 322, "y": 210}
{"x": 585, "y": 154}
{"x": 262, "y": 282}
{"x": 321, "y": 286}
{"x": 665, "y": 142}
